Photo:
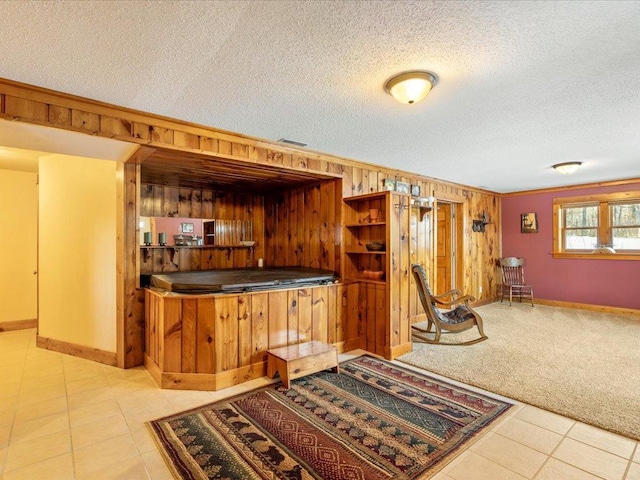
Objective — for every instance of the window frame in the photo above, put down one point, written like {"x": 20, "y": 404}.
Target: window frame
{"x": 604, "y": 229}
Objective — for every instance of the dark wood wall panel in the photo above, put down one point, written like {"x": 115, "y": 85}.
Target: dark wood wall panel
{"x": 302, "y": 227}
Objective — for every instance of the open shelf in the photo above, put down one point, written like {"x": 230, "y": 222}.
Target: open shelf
{"x": 197, "y": 246}
{"x": 360, "y": 230}
{"x": 366, "y": 252}
{"x": 145, "y": 249}
{"x": 370, "y": 224}
{"x": 368, "y": 280}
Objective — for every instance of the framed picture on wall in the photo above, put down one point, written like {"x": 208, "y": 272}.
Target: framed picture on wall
{"x": 403, "y": 187}
{"x": 186, "y": 227}
{"x": 528, "y": 223}
{"x": 389, "y": 184}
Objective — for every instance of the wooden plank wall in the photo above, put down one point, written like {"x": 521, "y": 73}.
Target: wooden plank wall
{"x": 303, "y": 227}
{"x": 400, "y": 281}
{"x": 419, "y": 251}
{"x": 165, "y": 201}
{"x": 38, "y": 106}
{"x": 373, "y": 320}
{"x": 217, "y": 334}
{"x": 482, "y": 250}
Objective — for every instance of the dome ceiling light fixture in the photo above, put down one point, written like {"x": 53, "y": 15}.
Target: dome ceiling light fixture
{"x": 411, "y": 87}
{"x": 567, "y": 168}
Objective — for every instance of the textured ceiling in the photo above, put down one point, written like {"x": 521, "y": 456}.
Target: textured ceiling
{"x": 523, "y": 85}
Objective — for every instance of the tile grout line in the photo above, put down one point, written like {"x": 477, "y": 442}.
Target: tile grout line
{"x": 565, "y": 437}
{"x": 499, "y": 464}
{"x": 598, "y": 448}
{"x": 630, "y": 462}
{"x": 66, "y": 390}
{"x": 144, "y": 464}
{"x": 576, "y": 422}
{"x": 15, "y": 408}
{"x": 550, "y": 456}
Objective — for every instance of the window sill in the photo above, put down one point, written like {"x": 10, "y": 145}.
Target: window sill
{"x": 597, "y": 256}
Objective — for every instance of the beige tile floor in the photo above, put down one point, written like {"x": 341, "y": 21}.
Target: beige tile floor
{"x": 66, "y": 418}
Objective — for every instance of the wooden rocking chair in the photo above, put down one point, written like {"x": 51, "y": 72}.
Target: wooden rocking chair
{"x": 513, "y": 283}
{"x": 461, "y": 318}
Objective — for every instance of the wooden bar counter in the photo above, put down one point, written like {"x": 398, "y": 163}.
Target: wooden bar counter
{"x": 214, "y": 341}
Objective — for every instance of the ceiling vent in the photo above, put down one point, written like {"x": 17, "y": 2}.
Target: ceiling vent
{"x": 292, "y": 142}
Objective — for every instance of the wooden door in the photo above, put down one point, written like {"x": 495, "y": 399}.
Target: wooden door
{"x": 19, "y": 222}
{"x": 444, "y": 251}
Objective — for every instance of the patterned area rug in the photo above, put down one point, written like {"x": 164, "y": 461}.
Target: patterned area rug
{"x": 372, "y": 421}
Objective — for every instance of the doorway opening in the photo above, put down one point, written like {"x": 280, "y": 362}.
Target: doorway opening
{"x": 448, "y": 242}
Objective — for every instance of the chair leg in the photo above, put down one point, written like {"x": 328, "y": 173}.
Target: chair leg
{"x": 417, "y": 333}
{"x": 480, "y": 327}
{"x": 438, "y": 333}
{"x": 532, "y": 298}
{"x": 510, "y": 295}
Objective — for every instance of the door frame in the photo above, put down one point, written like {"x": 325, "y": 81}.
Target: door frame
{"x": 457, "y": 244}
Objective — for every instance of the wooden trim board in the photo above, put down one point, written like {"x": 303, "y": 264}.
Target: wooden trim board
{"x": 587, "y": 306}
{"x": 18, "y": 325}
{"x": 204, "y": 381}
{"x": 572, "y": 187}
{"x": 88, "y": 353}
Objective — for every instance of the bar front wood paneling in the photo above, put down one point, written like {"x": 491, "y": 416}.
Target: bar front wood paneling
{"x": 215, "y": 341}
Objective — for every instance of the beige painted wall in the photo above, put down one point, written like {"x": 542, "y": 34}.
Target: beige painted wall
{"x": 18, "y": 244}
{"x": 77, "y": 253}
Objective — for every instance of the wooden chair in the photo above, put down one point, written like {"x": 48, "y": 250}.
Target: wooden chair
{"x": 513, "y": 282}
{"x": 461, "y": 318}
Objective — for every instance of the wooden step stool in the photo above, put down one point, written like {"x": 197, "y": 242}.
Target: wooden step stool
{"x": 295, "y": 361}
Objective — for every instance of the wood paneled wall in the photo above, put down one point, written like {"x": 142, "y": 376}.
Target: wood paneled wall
{"x": 482, "y": 250}
{"x": 38, "y": 106}
{"x": 303, "y": 227}
{"x": 420, "y": 241}
{"x": 400, "y": 288}
{"x": 215, "y": 341}
{"x": 166, "y": 201}
{"x": 479, "y": 251}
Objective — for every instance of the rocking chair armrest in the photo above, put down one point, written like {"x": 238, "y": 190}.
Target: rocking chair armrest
{"x": 450, "y": 293}
{"x": 465, "y": 299}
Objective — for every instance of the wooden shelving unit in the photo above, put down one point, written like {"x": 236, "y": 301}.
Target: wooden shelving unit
{"x": 360, "y": 230}
{"x": 384, "y": 304}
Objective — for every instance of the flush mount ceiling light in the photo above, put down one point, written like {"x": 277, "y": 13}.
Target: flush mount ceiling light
{"x": 567, "y": 167}
{"x": 411, "y": 87}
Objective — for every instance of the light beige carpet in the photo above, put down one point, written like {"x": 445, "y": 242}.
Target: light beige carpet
{"x": 580, "y": 364}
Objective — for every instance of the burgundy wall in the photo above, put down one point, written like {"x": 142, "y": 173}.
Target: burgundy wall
{"x": 171, "y": 226}
{"x": 613, "y": 283}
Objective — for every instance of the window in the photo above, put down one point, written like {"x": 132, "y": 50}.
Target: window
{"x": 597, "y": 226}
{"x": 580, "y": 227}
{"x": 625, "y": 223}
